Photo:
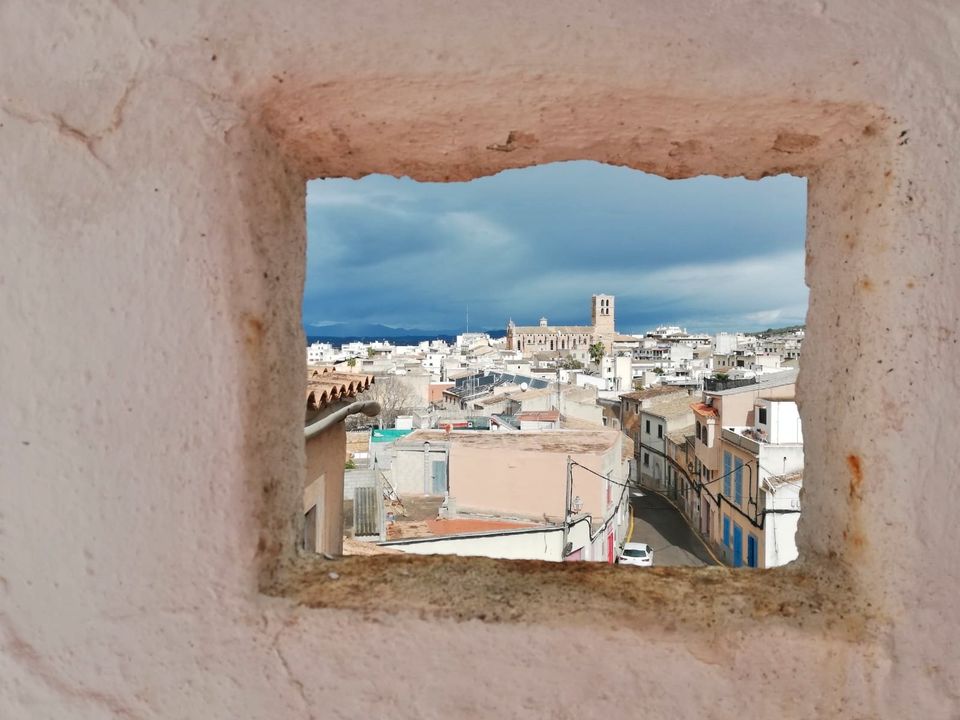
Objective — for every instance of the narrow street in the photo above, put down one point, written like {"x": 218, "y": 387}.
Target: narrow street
{"x": 660, "y": 525}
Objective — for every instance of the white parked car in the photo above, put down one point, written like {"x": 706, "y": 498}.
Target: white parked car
{"x": 636, "y": 554}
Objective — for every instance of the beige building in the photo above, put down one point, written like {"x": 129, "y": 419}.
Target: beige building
{"x": 567, "y": 338}
{"x": 663, "y": 416}
{"x": 330, "y": 397}
{"x": 521, "y": 474}
{"x": 572, "y": 401}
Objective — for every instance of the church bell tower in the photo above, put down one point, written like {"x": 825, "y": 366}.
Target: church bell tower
{"x": 602, "y": 319}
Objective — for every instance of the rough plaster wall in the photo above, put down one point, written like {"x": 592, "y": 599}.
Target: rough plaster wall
{"x": 153, "y": 243}
{"x": 324, "y": 457}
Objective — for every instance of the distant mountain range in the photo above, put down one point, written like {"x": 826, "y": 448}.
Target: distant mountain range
{"x": 375, "y": 330}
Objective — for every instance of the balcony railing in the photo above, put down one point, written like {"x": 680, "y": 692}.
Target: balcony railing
{"x": 718, "y": 384}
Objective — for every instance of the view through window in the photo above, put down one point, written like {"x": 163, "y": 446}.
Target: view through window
{"x": 572, "y": 361}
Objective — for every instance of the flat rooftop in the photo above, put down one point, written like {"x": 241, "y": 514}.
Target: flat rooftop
{"x": 766, "y": 380}
{"x": 436, "y": 527}
{"x": 550, "y": 441}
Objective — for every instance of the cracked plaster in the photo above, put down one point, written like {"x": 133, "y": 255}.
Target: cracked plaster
{"x": 153, "y": 243}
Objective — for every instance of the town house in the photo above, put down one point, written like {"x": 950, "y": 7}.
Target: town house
{"x": 721, "y": 466}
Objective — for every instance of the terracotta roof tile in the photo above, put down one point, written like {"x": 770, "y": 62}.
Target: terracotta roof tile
{"x": 325, "y": 386}
{"x": 670, "y": 408}
{"x": 653, "y": 392}
{"x": 704, "y": 409}
{"x": 539, "y": 415}
{"x": 680, "y": 436}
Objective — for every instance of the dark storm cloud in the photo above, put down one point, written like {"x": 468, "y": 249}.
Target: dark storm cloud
{"x": 705, "y": 252}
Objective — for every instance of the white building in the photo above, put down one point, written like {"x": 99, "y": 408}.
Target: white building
{"x": 433, "y": 361}
{"x": 724, "y": 343}
{"x": 665, "y": 331}
{"x": 617, "y": 373}
{"x": 319, "y": 353}
{"x": 517, "y": 367}
{"x": 468, "y": 341}
{"x": 771, "y": 450}
{"x": 354, "y": 349}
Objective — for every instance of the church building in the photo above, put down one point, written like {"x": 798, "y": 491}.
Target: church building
{"x": 548, "y": 338}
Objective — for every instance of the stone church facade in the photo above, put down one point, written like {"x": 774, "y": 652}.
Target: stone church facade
{"x": 549, "y": 338}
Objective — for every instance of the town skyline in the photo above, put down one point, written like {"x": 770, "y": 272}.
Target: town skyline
{"x": 379, "y": 331}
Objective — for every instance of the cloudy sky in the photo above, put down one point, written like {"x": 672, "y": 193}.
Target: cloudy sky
{"x": 705, "y": 253}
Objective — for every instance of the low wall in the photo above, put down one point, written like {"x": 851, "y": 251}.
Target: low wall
{"x": 534, "y": 544}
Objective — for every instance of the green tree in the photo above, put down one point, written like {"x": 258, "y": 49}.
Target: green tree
{"x": 597, "y": 352}
{"x": 571, "y": 363}
{"x": 658, "y": 371}
{"x": 352, "y": 362}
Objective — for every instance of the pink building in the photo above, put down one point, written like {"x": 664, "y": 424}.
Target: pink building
{"x": 522, "y": 475}
{"x": 435, "y": 392}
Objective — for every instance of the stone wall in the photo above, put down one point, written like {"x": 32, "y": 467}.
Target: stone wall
{"x": 152, "y": 191}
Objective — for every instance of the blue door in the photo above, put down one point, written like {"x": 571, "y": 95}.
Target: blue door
{"x": 737, "y": 546}
{"x": 439, "y": 477}
{"x": 751, "y": 550}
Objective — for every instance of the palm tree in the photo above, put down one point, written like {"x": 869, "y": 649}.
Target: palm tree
{"x": 597, "y": 352}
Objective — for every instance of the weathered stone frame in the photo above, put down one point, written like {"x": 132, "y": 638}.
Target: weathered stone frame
{"x": 152, "y": 183}
{"x": 848, "y": 153}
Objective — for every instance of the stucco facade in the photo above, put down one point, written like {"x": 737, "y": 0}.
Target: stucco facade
{"x": 419, "y": 468}
{"x": 521, "y": 474}
{"x": 324, "y": 485}
{"x": 542, "y": 543}
{"x": 152, "y": 191}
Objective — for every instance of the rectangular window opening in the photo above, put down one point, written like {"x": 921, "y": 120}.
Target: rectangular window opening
{"x": 479, "y": 355}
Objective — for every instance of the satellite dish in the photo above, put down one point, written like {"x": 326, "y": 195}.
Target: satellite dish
{"x": 523, "y": 387}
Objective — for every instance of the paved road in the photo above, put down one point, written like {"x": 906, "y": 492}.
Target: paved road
{"x": 660, "y": 525}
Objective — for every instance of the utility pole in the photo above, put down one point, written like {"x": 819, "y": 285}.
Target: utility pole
{"x": 568, "y": 499}
{"x": 559, "y": 389}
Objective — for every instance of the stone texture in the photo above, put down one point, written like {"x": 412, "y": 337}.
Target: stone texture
{"x": 152, "y": 237}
